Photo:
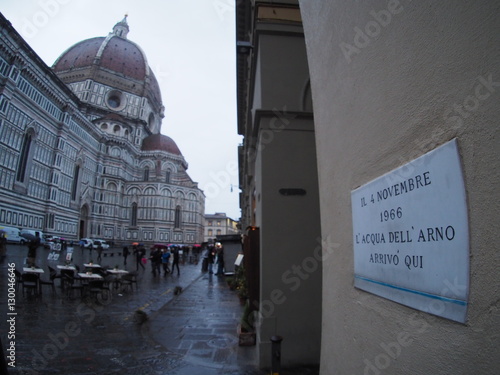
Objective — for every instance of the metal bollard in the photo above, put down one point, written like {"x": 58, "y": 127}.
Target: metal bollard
{"x": 276, "y": 355}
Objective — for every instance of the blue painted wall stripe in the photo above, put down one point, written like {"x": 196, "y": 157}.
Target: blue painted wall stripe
{"x": 428, "y": 295}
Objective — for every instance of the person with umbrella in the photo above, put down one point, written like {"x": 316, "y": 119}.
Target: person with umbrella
{"x": 175, "y": 261}
{"x": 220, "y": 258}
{"x": 125, "y": 254}
{"x": 155, "y": 257}
{"x": 165, "y": 260}
{"x": 33, "y": 245}
{"x": 139, "y": 253}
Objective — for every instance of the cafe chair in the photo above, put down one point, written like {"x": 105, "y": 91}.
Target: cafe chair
{"x": 50, "y": 282}
{"x": 98, "y": 287}
{"x": 30, "y": 283}
{"x": 66, "y": 276}
{"x": 70, "y": 285}
{"x": 19, "y": 278}
{"x": 51, "y": 270}
{"x": 100, "y": 271}
{"x": 129, "y": 280}
{"x": 109, "y": 282}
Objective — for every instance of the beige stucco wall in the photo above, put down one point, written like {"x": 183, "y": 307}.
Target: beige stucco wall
{"x": 428, "y": 73}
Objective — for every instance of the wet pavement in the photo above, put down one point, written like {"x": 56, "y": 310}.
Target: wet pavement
{"x": 192, "y": 332}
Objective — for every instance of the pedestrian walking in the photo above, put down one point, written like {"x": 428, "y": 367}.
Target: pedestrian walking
{"x": 139, "y": 254}
{"x": 211, "y": 256}
{"x": 204, "y": 262}
{"x": 82, "y": 246}
{"x": 125, "y": 255}
{"x": 155, "y": 258}
{"x": 99, "y": 252}
{"x": 220, "y": 259}
{"x": 165, "y": 261}
{"x": 32, "y": 248}
{"x": 175, "y": 261}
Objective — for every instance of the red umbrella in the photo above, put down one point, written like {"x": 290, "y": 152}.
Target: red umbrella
{"x": 159, "y": 246}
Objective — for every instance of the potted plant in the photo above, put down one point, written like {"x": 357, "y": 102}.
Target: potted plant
{"x": 241, "y": 284}
{"x": 246, "y": 329}
{"x": 231, "y": 282}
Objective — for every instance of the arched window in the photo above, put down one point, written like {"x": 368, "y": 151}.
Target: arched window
{"x": 23, "y": 158}
{"x": 74, "y": 186}
{"x": 151, "y": 121}
{"x": 133, "y": 216}
{"x": 177, "y": 221}
{"x": 146, "y": 174}
{"x": 167, "y": 176}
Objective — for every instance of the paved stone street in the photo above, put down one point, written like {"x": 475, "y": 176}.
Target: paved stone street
{"x": 193, "y": 332}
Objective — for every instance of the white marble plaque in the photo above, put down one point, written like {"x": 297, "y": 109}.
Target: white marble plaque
{"x": 411, "y": 236}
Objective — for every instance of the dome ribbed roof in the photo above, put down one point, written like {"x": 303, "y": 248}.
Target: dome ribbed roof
{"x": 160, "y": 142}
{"x": 96, "y": 58}
{"x": 118, "y": 55}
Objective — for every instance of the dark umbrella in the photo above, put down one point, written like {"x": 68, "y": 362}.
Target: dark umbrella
{"x": 28, "y": 236}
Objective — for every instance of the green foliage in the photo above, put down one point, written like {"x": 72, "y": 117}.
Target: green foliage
{"x": 240, "y": 282}
{"x": 247, "y": 318}
{"x": 231, "y": 282}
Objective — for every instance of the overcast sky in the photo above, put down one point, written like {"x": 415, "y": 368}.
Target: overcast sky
{"x": 189, "y": 44}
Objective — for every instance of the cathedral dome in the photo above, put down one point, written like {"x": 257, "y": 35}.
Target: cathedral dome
{"x": 160, "y": 142}
{"x": 115, "y": 62}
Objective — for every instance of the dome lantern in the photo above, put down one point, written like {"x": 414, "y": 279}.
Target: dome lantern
{"x": 121, "y": 29}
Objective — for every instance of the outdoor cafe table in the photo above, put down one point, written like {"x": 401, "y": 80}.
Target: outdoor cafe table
{"x": 38, "y": 271}
{"x": 85, "y": 275}
{"x": 118, "y": 273}
{"x": 92, "y": 265}
{"x": 63, "y": 267}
